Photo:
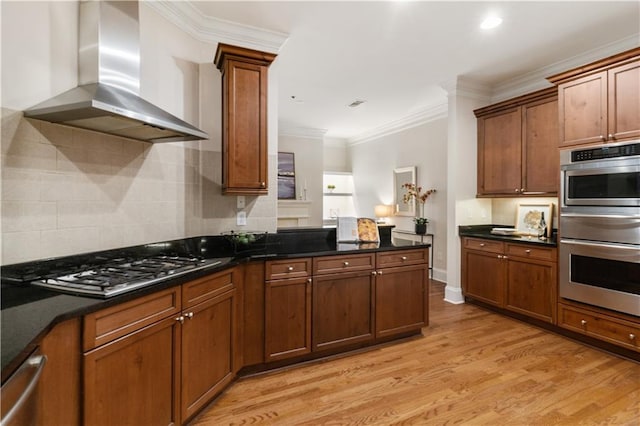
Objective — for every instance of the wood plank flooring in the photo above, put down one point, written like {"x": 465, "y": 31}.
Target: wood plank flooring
{"x": 471, "y": 367}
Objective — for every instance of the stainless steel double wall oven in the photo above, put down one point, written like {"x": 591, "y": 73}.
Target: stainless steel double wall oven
{"x": 600, "y": 226}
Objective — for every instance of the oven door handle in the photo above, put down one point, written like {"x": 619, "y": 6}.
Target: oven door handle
{"x": 630, "y": 218}
{"x": 602, "y": 245}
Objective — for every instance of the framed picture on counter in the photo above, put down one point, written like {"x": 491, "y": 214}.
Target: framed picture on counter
{"x": 529, "y": 215}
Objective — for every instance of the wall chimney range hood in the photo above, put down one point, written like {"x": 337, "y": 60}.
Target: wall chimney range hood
{"x": 106, "y": 99}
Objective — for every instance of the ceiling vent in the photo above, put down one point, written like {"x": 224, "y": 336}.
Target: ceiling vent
{"x": 356, "y": 103}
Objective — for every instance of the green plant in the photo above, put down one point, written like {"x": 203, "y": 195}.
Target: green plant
{"x": 330, "y": 186}
{"x": 421, "y": 220}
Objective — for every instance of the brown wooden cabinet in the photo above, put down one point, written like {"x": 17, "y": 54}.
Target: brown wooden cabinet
{"x": 287, "y": 308}
{"x": 600, "y": 102}
{"x": 343, "y": 309}
{"x": 244, "y": 119}
{"x": 518, "y": 277}
{"x": 402, "y": 296}
{"x": 601, "y": 325}
{"x": 517, "y": 146}
{"x": 160, "y": 358}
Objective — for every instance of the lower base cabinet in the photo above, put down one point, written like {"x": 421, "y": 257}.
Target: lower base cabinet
{"x": 159, "y": 359}
{"x": 343, "y": 312}
{"x": 402, "y": 300}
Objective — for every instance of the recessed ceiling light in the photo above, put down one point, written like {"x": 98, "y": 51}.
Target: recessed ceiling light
{"x": 491, "y": 22}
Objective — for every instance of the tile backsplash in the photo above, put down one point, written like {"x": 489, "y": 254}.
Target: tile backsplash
{"x": 68, "y": 191}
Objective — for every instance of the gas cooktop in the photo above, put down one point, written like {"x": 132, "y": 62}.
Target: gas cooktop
{"x": 122, "y": 275}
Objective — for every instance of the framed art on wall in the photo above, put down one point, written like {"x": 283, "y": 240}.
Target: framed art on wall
{"x": 529, "y": 215}
{"x": 286, "y": 176}
{"x": 401, "y": 176}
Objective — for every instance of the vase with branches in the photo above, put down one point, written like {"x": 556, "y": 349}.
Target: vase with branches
{"x": 415, "y": 193}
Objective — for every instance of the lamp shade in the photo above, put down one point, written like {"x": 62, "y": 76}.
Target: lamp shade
{"x": 383, "y": 210}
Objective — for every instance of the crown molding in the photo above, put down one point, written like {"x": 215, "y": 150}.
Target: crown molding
{"x": 301, "y": 132}
{"x": 537, "y": 79}
{"x": 336, "y": 142}
{"x": 213, "y": 30}
{"x": 422, "y": 116}
{"x": 467, "y": 88}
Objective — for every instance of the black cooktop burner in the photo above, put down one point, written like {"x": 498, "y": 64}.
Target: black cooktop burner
{"x": 121, "y": 275}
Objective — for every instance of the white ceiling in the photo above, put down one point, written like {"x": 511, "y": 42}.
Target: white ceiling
{"x": 396, "y": 54}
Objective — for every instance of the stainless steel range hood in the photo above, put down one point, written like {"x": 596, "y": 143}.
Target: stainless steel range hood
{"x": 106, "y": 99}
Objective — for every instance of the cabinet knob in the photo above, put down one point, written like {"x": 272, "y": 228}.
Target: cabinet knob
{"x": 374, "y": 273}
{"x": 611, "y": 136}
{"x": 263, "y": 184}
{"x": 180, "y": 318}
{"x": 517, "y": 189}
{"x": 188, "y": 315}
{"x": 527, "y": 251}
{"x": 404, "y": 258}
{"x": 523, "y": 190}
{"x": 601, "y": 137}
{"x": 482, "y": 244}
{"x": 499, "y": 256}
{"x": 309, "y": 280}
{"x": 632, "y": 336}
{"x": 583, "y": 322}
{"x": 290, "y": 268}
{"x": 346, "y": 263}
{"x": 379, "y": 272}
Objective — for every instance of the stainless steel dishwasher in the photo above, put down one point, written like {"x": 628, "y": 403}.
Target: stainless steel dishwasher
{"x": 19, "y": 397}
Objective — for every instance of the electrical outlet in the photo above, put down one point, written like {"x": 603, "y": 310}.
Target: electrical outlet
{"x": 240, "y": 202}
{"x": 241, "y": 218}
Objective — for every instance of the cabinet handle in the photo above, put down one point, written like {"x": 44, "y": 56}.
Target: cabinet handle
{"x": 404, "y": 258}
{"x": 181, "y": 319}
{"x": 482, "y": 244}
{"x": 290, "y": 268}
{"x": 632, "y": 336}
{"x": 374, "y": 273}
{"x": 188, "y": 315}
{"x": 346, "y": 263}
{"x": 611, "y": 136}
{"x": 583, "y": 322}
{"x": 505, "y": 257}
{"x": 262, "y": 184}
{"x": 499, "y": 256}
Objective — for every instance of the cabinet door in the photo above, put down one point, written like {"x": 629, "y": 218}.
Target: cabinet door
{"x": 531, "y": 288}
{"x": 541, "y": 162}
{"x": 245, "y": 128}
{"x": 287, "y": 318}
{"x": 582, "y": 105}
{"x": 402, "y": 300}
{"x": 624, "y": 101}
{"x": 499, "y": 153}
{"x": 343, "y": 308}
{"x": 208, "y": 334}
{"x": 483, "y": 276}
{"x": 133, "y": 380}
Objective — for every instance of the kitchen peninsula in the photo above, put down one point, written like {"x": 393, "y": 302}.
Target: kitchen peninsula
{"x": 290, "y": 296}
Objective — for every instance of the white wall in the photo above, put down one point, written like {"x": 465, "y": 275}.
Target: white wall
{"x": 308, "y": 154}
{"x": 336, "y": 155}
{"x": 423, "y": 146}
{"x": 67, "y": 191}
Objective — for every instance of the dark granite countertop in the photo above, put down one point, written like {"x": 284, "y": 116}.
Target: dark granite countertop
{"x": 484, "y": 231}
{"x": 29, "y": 312}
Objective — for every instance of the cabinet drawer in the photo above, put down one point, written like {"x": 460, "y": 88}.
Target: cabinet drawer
{"x": 484, "y": 245}
{"x": 400, "y": 258}
{"x": 528, "y": 251}
{"x": 600, "y": 326}
{"x": 205, "y": 288}
{"x": 288, "y": 268}
{"x": 346, "y": 263}
{"x": 114, "y": 322}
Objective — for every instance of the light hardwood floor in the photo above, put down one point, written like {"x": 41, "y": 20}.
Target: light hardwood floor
{"x": 471, "y": 367}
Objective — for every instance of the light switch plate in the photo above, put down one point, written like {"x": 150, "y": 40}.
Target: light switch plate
{"x": 240, "y": 202}
{"x": 241, "y": 218}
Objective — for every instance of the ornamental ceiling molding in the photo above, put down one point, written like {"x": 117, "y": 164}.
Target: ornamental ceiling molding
{"x": 537, "y": 79}
{"x": 213, "y": 30}
{"x": 418, "y": 118}
{"x": 301, "y": 132}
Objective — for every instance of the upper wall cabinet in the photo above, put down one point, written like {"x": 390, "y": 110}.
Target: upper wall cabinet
{"x": 518, "y": 146}
{"x": 244, "y": 119}
{"x": 600, "y": 102}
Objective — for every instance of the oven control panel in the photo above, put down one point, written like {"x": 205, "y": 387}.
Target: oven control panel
{"x": 605, "y": 152}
